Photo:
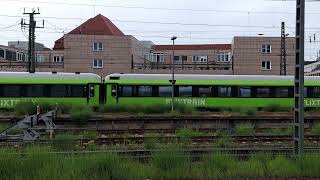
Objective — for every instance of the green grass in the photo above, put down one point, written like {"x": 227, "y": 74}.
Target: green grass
{"x": 278, "y": 131}
{"x": 171, "y": 162}
{"x": 29, "y": 108}
{"x": 276, "y": 108}
{"x": 25, "y": 108}
{"x": 81, "y": 114}
{"x": 244, "y": 129}
{"x": 224, "y": 141}
{"x": 4, "y": 126}
{"x": 147, "y": 109}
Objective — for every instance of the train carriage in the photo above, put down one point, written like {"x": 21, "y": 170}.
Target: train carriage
{"x": 208, "y": 91}
{"x": 69, "y": 88}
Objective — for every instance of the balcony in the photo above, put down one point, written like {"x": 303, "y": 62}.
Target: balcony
{"x": 21, "y": 64}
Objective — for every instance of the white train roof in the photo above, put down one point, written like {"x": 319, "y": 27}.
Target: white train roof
{"x": 49, "y": 75}
{"x": 206, "y": 77}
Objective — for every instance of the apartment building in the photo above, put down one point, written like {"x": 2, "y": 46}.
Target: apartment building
{"x": 98, "y": 46}
{"x": 188, "y": 59}
{"x": 261, "y": 55}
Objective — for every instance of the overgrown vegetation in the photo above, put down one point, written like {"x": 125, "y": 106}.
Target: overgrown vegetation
{"x": 276, "y": 108}
{"x": 81, "y": 114}
{"x": 244, "y": 129}
{"x": 278, "y": 131}
{"x": 225, "y": 140}
{"x": 147, "y": 109}
{"x": 171, "y": 162}
{"x": 25, "y": 108}
{"x": 29, "y": 107}
{"x": 315, "y": 130}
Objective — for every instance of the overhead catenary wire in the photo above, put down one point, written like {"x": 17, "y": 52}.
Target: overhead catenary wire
{"x": 158, "y": 8}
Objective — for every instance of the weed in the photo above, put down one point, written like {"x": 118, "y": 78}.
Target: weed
{"x": 25, "y": 108}
{"x": 280, "y": 166}
{"x": 81, "y": 114}
{"x": 276, "y": 108}
{"x": 286, "y": 131}
{"x": 224, "y": 141}
{"x": 244, "y": 129}
{"x": 151, "y": 141}
{"x": 170, "y": 162}
{"x": 315, "y": 130}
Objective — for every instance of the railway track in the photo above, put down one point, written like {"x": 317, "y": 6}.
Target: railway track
{"x": 140, "y": 139}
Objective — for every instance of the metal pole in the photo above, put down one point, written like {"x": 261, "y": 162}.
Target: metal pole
{"x": 299, "y": 81}
{"x": 283, "y": 70}
{"x": 172, "y": 80}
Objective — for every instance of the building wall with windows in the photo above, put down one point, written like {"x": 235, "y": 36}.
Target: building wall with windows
{"x": 261, "y": 55}
{"x": 197, "y": 59}
{"x": 101, "y": 54}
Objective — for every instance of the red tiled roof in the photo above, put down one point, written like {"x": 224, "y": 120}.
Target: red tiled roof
{"x": 58, "y": 44}
{"x": 193, "y": 47}
{"x": 99, "y": 25}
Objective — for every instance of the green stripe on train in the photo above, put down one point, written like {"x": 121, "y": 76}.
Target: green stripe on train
{"x": 216, "y": 102}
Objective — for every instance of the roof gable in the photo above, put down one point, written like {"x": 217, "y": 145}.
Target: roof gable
{"x": 99, "y": 25}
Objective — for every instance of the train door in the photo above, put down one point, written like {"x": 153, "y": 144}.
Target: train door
{"x": 93, "y": 94}
{"x": 112, "y": 94}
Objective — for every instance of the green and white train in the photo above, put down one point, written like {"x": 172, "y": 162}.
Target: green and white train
{"x": 201, "y": 91}
{"x": 49, "y": 87}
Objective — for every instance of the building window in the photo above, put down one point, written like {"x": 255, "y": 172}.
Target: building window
{"x": 97, "y": 63}
{"x": 223, "y": 57}
{"x": 97, "y": 46}
{"x": 1, "y": 53}
{"x": 200, "y": 59}
{"x": 40, "y": 58}
{"x": 57, "y": 59}
{"x": 157, "y": 57}
{"x": 20, "y": 57}
{"x": 266, "y": 65}
{"x": 266, "y": 48}
{"x": 177, "y": 59}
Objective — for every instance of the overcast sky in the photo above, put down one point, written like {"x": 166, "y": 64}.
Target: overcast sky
{"x": 200, "y": 21}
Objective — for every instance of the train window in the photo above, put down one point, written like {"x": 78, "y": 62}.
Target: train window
{"x": 185, "y": 91}
{"x": 11, "y": 91}
{"x": 263, "y": 92}
{"x": 315, "y": 92}
{"x": 145, "y": 91}
{"x": 282, "y": 92}
{"x": 126, "y": 91}
{"x": 78, "y": 91}
{"x": 224, "y": 92}
{"x": 165, "y": 91}
{"x": 35, "y": 91}
{"x": 244, "y": 92}
{"x": 205, "y": 92}
{"x": 58, "y": 91}
{"x": 305, "y": 91}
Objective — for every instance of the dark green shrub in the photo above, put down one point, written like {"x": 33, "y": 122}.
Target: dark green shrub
{"x": 26, "y": 108}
